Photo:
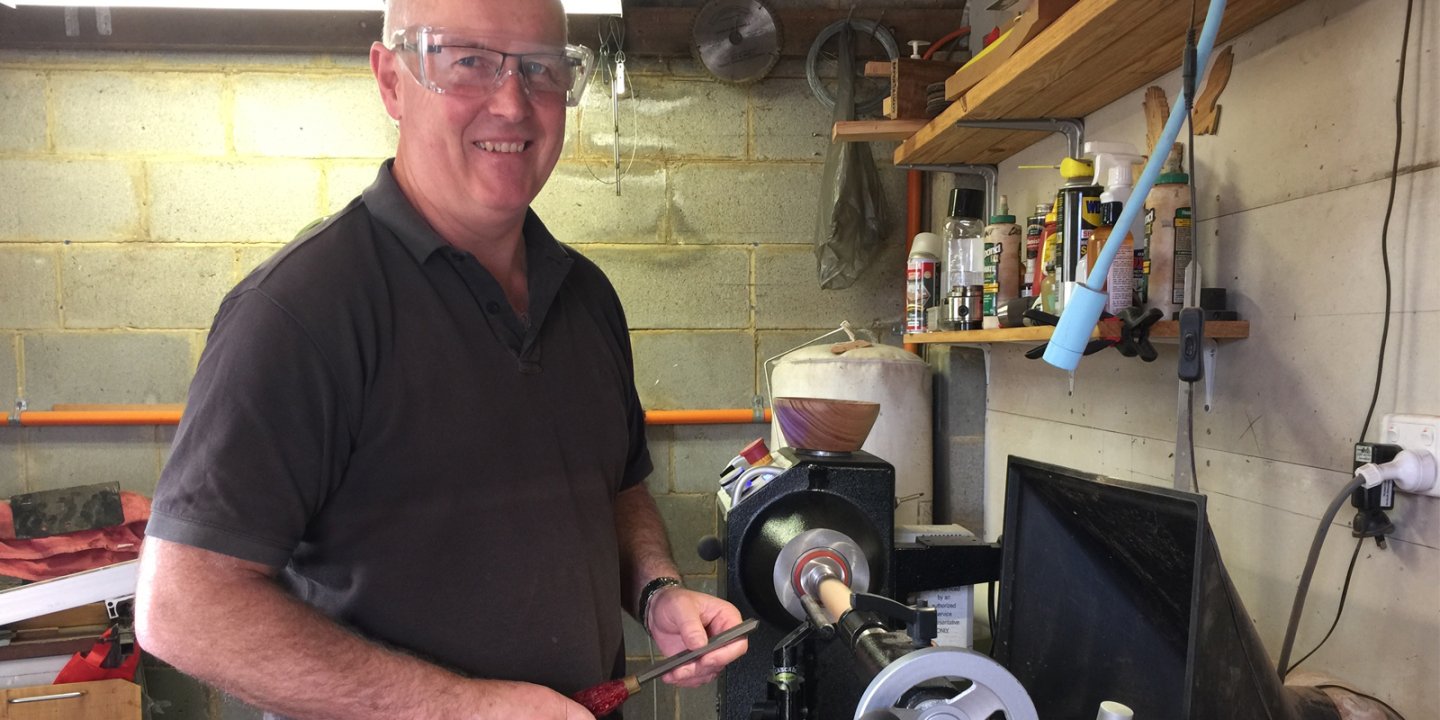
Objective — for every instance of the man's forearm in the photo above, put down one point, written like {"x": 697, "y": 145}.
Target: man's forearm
{"x": 644, "y": 548}
{"x": 243, "y": 634}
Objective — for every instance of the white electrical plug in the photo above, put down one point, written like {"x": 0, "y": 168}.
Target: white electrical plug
{"x": 1413, "y": 471}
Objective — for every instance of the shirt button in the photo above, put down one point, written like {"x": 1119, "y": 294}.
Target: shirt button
{"x": 492, "y": 307}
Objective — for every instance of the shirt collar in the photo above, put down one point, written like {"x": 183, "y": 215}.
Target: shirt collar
{"x": 388, "y": 204}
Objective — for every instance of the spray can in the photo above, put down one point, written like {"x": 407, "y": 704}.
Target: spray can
{"x": 1034, "y": 236}
{"x": 1078, "y": 216}
{"x": 1114, "y": 167}
{"x": 922, "y": 281}
{"x": 1168, "y": 248}
{"x": 1003, "y": 271}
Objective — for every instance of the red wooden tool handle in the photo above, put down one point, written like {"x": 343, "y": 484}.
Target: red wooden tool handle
{"x": 607, "y": 697}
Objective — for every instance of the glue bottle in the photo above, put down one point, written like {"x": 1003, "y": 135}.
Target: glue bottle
{"x": 1003, "y": 268}
{"x": 1167, "y": 237}
{"x": 1114, "y": 168}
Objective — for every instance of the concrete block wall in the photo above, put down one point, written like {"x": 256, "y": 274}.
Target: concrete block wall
{"x": 137, "y": 188}
{"x": 1292, "y": 195}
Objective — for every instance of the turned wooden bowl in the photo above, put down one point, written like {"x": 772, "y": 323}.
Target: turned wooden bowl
{"x": 823, "y": 424}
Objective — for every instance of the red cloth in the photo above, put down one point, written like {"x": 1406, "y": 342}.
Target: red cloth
{"x": 59, "y": 555}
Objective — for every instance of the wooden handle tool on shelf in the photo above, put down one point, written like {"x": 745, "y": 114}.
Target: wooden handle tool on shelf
{"x": 607, "y": 697}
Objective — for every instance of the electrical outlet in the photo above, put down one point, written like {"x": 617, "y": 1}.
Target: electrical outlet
{"x": 1415, "y": 432}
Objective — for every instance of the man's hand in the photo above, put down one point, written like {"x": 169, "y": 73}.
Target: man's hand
{"x": 682, "y": 620}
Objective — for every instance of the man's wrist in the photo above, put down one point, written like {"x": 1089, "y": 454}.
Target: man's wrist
{"x": 648, "y": 594}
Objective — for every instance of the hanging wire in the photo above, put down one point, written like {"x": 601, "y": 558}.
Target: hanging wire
{"x": 611, "y": 33}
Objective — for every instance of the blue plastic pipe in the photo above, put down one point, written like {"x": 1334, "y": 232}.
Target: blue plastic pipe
{"x": 1082, "y": 310}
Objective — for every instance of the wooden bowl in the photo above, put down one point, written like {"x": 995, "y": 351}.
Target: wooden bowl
{"x": 826, "y": 425}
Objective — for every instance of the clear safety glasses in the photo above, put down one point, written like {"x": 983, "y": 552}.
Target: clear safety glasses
{"x": 463, "y": 64}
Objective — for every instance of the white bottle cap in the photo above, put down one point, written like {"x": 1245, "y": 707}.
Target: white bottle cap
{"x": 927, "y": 243}
{"x": 1110, "y": 710}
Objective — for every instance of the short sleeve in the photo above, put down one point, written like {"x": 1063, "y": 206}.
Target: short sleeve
{"x": 264, "y": 437}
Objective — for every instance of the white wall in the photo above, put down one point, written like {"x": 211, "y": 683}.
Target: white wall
{"x": 1291, "y": 197}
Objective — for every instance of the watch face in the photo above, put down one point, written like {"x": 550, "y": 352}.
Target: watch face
{"x": 737, "y": 40}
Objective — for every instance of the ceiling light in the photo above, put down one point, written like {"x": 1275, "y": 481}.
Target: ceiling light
{"x": 573, "y": 7}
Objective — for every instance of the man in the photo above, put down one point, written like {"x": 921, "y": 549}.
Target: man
{"x": 408, "y": 481}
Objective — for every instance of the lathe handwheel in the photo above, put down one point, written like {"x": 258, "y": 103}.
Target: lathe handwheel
{"x": 993, "y": 688}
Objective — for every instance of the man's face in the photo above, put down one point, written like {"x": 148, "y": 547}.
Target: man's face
{"x": 476, "y": 159}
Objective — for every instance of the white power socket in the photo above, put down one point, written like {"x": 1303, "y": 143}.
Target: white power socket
{"x": 1415, "y": 432}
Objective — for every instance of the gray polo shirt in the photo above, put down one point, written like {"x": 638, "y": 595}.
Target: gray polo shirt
{"x": 370, "y": 417}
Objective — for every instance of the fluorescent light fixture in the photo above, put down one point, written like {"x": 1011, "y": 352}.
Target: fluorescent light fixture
{"x": 573, "y": 7}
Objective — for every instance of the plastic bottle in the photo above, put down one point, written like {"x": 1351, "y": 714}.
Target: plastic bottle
{"x": 1050, "y": 291}
{"x": 964, "y": 238}
{"x": 1114, "y": 167}
{"x": 1034, "y": 236}
{"x": 922, "y": 281}
{"x": 1003, "y": 268}
{"x": 1167, "y": 237}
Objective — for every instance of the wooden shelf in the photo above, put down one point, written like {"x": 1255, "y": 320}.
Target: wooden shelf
{"x": 1227, "y": 330}
{"x": 873, "y": 130}
{"x": 1091, "y": 56}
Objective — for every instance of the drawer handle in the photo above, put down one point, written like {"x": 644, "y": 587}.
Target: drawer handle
{"x": 43, "y": 698}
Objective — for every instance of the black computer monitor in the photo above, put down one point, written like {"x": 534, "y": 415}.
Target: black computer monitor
{"x": 1113, "y": 590}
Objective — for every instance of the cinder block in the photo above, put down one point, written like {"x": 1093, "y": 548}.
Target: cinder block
{"x": 700, "y": 703}
{"x": 65, "y": 457}
{"x": 679, "y": 287}
{"x": 145, "y": 286}
{"x": 702, "y": 451}
{"x": 687, "y": 519}
{"x": 656, "y": 702}
{"x": 311, "y": 116}
{"x": 678, "y": 370}
{"x": 232, "y": 202}
{"x": 180, "y": 695}
{"x": 148, "y": 112}
{"x": 666, "y": 118}
{"x": 110, "y": 367}
{"x": 12, "y": 464}
{"x": 22, "y": 94}
{"x": 788, "y": 294}
{"x": 579, "y": 204}
{"x": 661, "y": 439}
{"x": 72, "y": 200}
{"x": 233, "y": 709}
{"x": 743, "y": 204}
{"x": 789, "y": 123}
{"x": 344, "y": 181}
{"x": 9, "y": 369}
{"x": 28, "y": 288}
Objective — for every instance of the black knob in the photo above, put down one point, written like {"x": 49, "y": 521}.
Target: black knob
{"x": 710, "y": 548}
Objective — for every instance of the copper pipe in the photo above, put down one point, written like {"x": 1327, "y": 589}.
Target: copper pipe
{"x": 170, "y": 415}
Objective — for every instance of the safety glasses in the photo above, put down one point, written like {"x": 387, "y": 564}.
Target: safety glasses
{"x": 454, "y": 62}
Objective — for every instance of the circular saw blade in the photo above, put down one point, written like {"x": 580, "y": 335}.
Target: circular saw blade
{"x": 736, "y": 41}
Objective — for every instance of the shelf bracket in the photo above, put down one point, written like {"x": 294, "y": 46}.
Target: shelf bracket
{"x": 989, "y": 173}
{"x": 1072, "y": 128}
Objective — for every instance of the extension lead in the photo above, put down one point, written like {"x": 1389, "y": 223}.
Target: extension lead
{"x": 1413, "y": 471}
{"x": 1082, "y": 310}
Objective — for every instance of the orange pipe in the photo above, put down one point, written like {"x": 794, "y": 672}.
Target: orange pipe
{"x": 83, "y": 418}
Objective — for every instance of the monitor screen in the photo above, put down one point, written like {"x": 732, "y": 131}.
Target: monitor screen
{"x": 1115, "y": 591}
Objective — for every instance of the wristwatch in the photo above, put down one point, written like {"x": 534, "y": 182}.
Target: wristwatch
{"x": 649, "y": 592}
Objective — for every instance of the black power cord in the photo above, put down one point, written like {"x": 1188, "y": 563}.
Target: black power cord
{"x": 1345, "y": 590}
{"x": 1283, "y": 668}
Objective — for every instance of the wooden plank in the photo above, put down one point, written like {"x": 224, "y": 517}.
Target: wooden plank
{"x": 1165, "y": 330}
{"x": 1095, "y": 53}
{"x": 102, "y": 700}
{"x": 874, "y": 130}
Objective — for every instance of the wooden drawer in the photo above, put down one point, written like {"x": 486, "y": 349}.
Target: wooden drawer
{"x": 103, "y": 700}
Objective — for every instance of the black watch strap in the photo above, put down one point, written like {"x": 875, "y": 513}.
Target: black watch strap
{"x": 648, "y": 592}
